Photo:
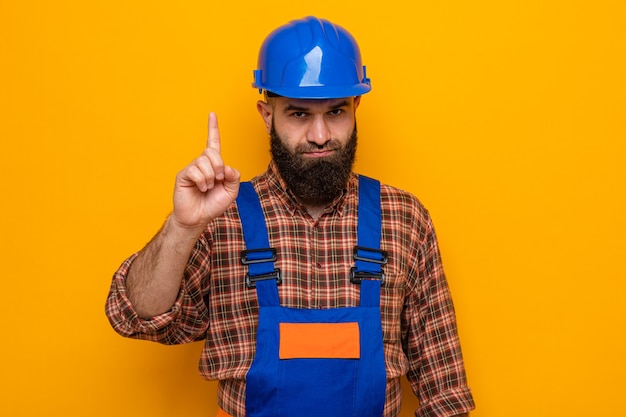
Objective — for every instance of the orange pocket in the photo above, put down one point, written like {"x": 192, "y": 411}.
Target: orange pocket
{"x": 319, "y": 340}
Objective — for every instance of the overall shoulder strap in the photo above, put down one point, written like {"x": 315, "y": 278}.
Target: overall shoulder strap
{"x": 368, "y": 257}
{"x": 258, "y": 255}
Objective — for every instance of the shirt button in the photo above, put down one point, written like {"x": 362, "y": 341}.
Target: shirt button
{"x": 317, "y": 264}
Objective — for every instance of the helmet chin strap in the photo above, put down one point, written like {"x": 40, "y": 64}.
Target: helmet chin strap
{"x": 257, "y": 79}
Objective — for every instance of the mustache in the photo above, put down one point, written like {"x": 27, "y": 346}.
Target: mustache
{"x": 331, "y": 145}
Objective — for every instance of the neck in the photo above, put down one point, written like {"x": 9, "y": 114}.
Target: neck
{"x": 315, "y": 208}
{"x": 315, "y": 211}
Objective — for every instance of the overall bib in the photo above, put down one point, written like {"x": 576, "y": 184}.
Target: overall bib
{"x": 322, "y": 362}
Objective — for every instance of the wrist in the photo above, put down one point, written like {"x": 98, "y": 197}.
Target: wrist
{"x": 182, "y": 232}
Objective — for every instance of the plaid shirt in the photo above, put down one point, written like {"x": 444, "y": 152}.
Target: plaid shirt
{"x": 315, "y": 257}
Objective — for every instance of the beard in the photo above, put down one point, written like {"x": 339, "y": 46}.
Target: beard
{"x": 314, "y": 180}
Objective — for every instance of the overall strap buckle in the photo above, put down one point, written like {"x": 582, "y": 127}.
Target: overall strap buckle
{"x": 369, "y": 262}
{"x": 252, "y": 280}
{"x": 255, "y": 258}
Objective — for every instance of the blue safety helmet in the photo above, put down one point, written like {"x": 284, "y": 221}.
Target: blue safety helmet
{"x": 311, "y": 58}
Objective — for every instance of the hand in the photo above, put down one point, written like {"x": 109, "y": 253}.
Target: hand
{"x": 206, "y": 187}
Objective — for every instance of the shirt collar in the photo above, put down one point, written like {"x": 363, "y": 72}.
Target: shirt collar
{"x": 278, "y": 187}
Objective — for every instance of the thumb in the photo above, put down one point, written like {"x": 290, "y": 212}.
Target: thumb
{"x": 232, "y": 178}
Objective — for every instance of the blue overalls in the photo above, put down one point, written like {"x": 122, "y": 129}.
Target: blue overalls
{"x": 317, "y": 363}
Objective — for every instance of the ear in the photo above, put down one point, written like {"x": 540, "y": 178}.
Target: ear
{"x": 357, "y": 101}
{"x": 265, "y": 110}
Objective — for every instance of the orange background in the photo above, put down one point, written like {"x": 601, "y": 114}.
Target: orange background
{"x": 505, "y": 118}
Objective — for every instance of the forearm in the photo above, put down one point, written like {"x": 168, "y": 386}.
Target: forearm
{"x": 154, "y": 279}
{"x": 431, "y": 342}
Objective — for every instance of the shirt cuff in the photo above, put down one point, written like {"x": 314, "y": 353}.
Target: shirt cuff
{"x": 125, "y": 319}
{"x": 447, "y": 403}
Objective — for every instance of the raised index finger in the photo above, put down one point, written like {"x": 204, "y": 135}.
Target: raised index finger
{"x": 213, "y": 140}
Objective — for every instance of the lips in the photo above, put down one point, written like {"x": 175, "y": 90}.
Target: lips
{"x": 319, "y": 151}
{"x": 319, "y": 154}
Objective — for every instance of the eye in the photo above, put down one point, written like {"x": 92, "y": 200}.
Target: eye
{"x": 336, "y": 112}
{"x": 298, "y": 114}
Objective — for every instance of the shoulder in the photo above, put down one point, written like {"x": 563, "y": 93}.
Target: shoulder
{"x": 403, "y": 202}
{"x": 404, "y": 215}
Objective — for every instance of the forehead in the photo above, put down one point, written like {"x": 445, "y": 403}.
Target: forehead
{"x": 311, "y": 104}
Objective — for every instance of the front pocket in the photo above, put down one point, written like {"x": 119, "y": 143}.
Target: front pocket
{"x": 320, "y": 340}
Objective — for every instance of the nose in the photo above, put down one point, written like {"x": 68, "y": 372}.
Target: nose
{"x": 318, "y": 132}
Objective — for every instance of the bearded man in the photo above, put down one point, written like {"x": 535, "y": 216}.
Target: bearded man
{"x": 314, "y": 288}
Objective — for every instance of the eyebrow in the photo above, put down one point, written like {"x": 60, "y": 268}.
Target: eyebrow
{"x": 293, "y": 107}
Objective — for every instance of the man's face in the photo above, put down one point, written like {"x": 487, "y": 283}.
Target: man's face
{"x": 313, "y": 143}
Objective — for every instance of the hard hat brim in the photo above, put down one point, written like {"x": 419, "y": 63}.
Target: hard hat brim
{"x": 318, "y": 92}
